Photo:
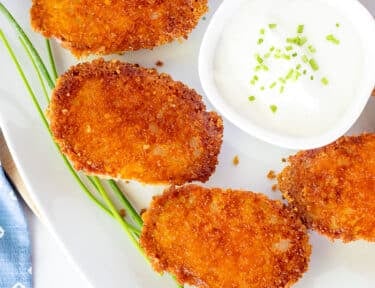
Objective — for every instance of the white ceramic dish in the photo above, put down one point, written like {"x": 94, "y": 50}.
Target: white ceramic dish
{"x": 364, "y": 25}
{"x": 95, "y": 243}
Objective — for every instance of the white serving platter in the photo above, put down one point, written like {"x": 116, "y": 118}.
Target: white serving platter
{"x": 93, "y": 241}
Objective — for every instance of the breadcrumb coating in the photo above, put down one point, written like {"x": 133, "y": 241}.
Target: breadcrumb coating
{"x": 112, "y": 26}
{"x": 123, "y": 121}
{"x": 333, "y": 188}
{"x": 225, "y": 238}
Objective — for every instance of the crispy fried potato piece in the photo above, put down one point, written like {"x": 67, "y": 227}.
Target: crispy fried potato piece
{"x": 224, "y": 238}
{"x": 112, "y": 26}
{"x": 123, "y": 121}
{"x": 333, "y": 188}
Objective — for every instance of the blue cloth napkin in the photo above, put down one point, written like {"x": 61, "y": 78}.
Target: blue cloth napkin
{"x": 15, "y": 259}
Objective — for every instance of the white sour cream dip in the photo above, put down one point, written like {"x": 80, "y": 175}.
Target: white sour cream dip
{"x": 306, "y": 107}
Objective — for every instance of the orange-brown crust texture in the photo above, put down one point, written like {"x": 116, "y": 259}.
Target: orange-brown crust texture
{"x": 225, "y": 238}
{"x": 112, "y": 26}
{"x": 123, "y": 121}
{"x": 333, "y": 188}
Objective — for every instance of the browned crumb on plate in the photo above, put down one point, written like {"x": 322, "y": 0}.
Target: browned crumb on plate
{"x": 236, "y": 160}
{"x": 271, "y": 175}
{"x": 274, "y": 187}
{"x": 225, "y": 238}
{"x": 143, "y": 210}
{"x": 122, "y": 213}
{"x": 159, "y": 63}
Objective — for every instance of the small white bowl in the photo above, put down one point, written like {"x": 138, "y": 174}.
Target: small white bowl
{"x": 364, "y": 24}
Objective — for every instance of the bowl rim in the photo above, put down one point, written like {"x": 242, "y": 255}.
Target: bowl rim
{"x": 205, "y": 59}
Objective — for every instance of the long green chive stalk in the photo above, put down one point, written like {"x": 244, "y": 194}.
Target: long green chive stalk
{"x": 33, "y": 51}
{"x": 51, "y": 59}
{"x": 125, "y": 202}
{"x": 41, "y": 70}
{"x": 24, "y": 45}
{"x": 117, "y": 216}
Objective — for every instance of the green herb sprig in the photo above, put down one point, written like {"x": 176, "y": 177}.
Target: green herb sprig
{"x": 297, "y": 47}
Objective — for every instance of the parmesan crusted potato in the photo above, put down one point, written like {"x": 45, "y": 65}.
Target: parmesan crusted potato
{"x": 225, "y": 238}
{"x": 123, "y": 121}
{"x": 333, "y": 188}
{"x": 112, "y": 26}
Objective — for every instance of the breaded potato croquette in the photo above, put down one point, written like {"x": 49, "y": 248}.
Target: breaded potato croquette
{"x": 333, "y": 188}
{"x": 225, "y": 238}
{"x": 123, "y": 121}
{"x": 112, "y": 26}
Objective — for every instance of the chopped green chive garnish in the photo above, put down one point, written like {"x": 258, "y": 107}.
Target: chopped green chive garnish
{"x": 273, "y": 108}
{"x": 251, "y": 98}
{"x": 312, "y": 49}
{"x": 272, "y": 26}
{"x": 300, "y": 41}
{"x": 333, "y": 39}
{"x": 289, "y": 48}
{"x": 287, "y": 52}
{"x": 259, "y": 59}
{"x": 254, "y": 80}
{"x": 314, "y": 65}
{"x": 325, "y": 81}
{"x": 297, "y": 74}
{"x": 290, "y": 74}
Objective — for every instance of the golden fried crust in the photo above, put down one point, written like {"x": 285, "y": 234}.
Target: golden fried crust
{"x": 333, "y": 188}
{"x": 124, "y": 121}
{"x": 110, "y": 26}
{"x": 224, "y": 238}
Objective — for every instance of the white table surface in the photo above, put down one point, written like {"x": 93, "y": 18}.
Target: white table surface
{"x": 51, "y": 268}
